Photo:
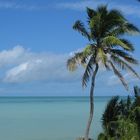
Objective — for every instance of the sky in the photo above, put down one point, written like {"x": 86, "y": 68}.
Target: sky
{"x": 36, "y": 39}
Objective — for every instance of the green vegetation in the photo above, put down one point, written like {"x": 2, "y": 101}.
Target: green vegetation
{"x": 121, "y": 119}
{"x": 107, "y": 47}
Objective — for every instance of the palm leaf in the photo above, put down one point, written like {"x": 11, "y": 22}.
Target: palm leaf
{"x": 124, "y": 55}
{"x": 73, "y": 62}
{"x": 112, "y": 23}
{"x": 101, "y": 56}
{"x": 119, "y": 75}
{"x": 111, "y": 112}
{"x": 94, "y": 25}
{"x": 123, "y": 65}
{"x": 88, "y": 71}
{"x": 128, "y": 43}
{"x": 116, "y": 14}
{"x": 79, "y": 26}
{"x": 124, "y": 28}
{"x": 91, "y": 13}
{"x": 130, "y": 28}
{"x": 114, "y": 41}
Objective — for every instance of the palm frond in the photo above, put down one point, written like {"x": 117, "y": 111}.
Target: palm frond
{"x": 101, "y": 56}
{"x": 114, "y": 41}
{"x": 124, "y": 28}
{"x": 123, "y": 65}
{"x": 89, "y": 49}
{"x": 113, "y": 22}
{"x": 91, "y": 13}
{"x": 130, "y": 28}
{"x": 115, "y": 31}
{"x": 124, "y": 55}
{"x": 73, "y": 62}
{"x": 119, "y": 75}
{"x": 88, "y": 71}
{"x": 79, "y": 26}
{"x": 94, "y": 25}
{"x": 102, "y": 10}
{"x": 111, "y": 112}
{"x": 116, "y": 14}
{"x": 129, "y": 44}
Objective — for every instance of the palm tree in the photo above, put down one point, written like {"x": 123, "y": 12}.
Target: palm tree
{"x": 106, "y": 47}
{"x": 116, "y": 112}
{"x": 120, "y": 119}
{"x": 111, "y": 113}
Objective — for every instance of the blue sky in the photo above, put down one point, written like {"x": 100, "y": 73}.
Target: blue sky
{"x": 37, "y": 39}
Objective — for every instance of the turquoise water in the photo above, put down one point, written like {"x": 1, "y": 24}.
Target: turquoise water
{"x": 48, "y": 118}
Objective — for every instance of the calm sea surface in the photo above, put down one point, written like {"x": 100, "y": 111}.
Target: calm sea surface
{"x": 48, "y": 118}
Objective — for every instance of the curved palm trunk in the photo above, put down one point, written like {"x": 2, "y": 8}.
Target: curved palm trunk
{"x": 91, "y": 102}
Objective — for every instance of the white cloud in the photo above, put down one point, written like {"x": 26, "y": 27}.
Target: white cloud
{"x": 26, "y": 66}
{"x": 15, "y": 5}
{"x": 19, "y": 65}
{"x": 12, "y": 56}
{"x": 125, "y": 7}
{"x": 80, "y": 5}
{"x": 14, "y": 73}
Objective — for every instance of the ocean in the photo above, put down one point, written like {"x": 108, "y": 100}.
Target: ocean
{"x": 48, "y": 118}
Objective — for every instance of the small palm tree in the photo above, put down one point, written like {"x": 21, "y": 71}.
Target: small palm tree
{"x": 106, "y": 47}
{"x": 111, "y": 113}
{"x": 115, "y": 112}
{"x": 121, "y": 118}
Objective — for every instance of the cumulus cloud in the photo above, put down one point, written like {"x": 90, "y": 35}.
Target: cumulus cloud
{"x": 26, "y": 66}
{"x": 12, "y": 56}
{"x": 20, "y": 65}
